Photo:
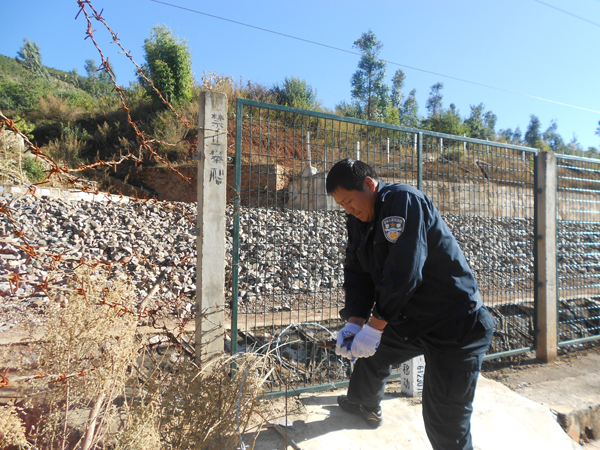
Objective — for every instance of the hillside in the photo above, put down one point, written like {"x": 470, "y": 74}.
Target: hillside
{"x": 11, "y": 69}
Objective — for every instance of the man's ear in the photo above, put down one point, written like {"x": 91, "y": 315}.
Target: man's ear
{"x": 370, "y": 184}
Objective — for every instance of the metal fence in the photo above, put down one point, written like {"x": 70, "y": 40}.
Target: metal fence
{"x": 578, "y": 249}
{"x": 289, "y": 237}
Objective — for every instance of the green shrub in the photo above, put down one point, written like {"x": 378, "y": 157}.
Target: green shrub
{"x": 80, "y": 99}
{"x": 20, "y": 97}
{"x": 23, "y": 126}
{"x": 33, "y": 169}
{"x": 296, "y": 93}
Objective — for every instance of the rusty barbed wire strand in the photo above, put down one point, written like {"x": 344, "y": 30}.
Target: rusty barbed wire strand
{"x": 63, "y": 172}
{"x": 60, "y": 265}
{"x": 140, "y": 70}
{"x": 145, "y": 143}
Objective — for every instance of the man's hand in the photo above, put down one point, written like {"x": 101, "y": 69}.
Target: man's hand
{"x": 365, "y": 342}
{"x": 344, "y": 339}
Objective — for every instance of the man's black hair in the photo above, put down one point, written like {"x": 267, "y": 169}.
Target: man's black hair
{"x": 349, "y": 174}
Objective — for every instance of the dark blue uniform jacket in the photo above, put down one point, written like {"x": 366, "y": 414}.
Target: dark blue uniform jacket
{"x": 405, "y": 266}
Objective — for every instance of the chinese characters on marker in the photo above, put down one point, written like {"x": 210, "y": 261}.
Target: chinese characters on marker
{"x": 413, "y": 372}
{"x": 216, "y": 153}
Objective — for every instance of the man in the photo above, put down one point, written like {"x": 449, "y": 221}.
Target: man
{"x": 409, "y": 292}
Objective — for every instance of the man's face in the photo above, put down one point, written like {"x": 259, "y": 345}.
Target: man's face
{"x": 361, "y": 204}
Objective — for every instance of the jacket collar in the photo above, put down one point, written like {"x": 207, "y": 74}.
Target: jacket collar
{"x": 378, "y": 198}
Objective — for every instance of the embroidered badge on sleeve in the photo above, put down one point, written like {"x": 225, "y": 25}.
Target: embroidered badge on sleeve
{"x": 393, "y": 227}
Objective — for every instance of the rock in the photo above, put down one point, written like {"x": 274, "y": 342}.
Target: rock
{"x": 282, "y": 252}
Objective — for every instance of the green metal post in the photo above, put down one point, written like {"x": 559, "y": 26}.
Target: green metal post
{"x": 236, "y": 225}
{"x": 420, "y": 161}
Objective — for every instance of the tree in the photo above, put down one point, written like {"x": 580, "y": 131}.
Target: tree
{"x": 517, "y": 135}
{"x": 434, "y": 102}
{"x": 98, "y": 82}
{"x": 168, "y": 65}
{"x": 481, "y": 124}
{"x": 397, "y": 85}
{"x": 574, "y": 146}
{"x": 409, "y": 112}
{"x": 592, "y": 152}
{"x": 368, "y": 86}
{"x": 553, "y": 139}
{"x": 31, "y": 58}
{"x": 349, "y": 109}
{"x": 533, "y": 137}
{"x": 448, "y": 122}
{"x": 296, "y": 93}
{"x": 507, "y": 135}
{"x": 490, "y": 120}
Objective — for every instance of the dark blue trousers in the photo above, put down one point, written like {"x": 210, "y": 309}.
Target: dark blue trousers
{"x": 453, "y": 357}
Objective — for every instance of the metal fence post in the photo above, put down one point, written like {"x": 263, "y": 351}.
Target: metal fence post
{"x": 236, "y": 226}
{"x": 308, "y": 155}
{"x": 547, "y": 311}
{"x": 419, "y": 161}
{"x": 210, "y": 243}
{"x": 387, "y": 151}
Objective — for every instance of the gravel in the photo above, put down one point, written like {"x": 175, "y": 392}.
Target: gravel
{"x": 288, "y": 259}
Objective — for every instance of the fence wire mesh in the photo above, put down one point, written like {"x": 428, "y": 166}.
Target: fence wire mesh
{"x": 578, "y": 249}
{"x": 290, "y": 237}
{"x": 485, "y": 192}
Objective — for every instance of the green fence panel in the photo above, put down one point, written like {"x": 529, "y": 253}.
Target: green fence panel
{"x": 578, "y": 249}
{"x": 289, "y": 237}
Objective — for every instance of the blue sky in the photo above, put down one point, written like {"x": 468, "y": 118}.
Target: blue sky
{"x": 522, "y": 46}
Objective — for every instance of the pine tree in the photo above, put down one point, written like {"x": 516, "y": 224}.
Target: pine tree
{"x": 553, "y": 139}
{"x": 481, "y": 124}
{"x": 409, "y": 113}
{"x": 98, "y": 82}
{"x": 517, "y": 136}
{"x": 533, "y": 136}
{"x": 31, "y": 58}
{"x": 368, "y": 86}
{"x": 397, "y": 85}
{"x": 434, "y": 102}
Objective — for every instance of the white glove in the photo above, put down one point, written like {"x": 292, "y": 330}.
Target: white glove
{"x": 365, "y": 342}
{"x": 344, "y": 339}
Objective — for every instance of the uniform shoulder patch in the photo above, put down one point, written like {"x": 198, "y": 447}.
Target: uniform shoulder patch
{"x": 393, "y": 226}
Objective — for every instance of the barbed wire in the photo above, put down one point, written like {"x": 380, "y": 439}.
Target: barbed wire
{"x": 68, "y": 176}
{"x": 59, "y": 283}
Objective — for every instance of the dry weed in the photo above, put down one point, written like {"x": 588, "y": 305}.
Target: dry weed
{"x": 234, "y": 89}
{"x": 12, "y": 429}
{"x": 55, "y": 109}
{"x": 97, "y": 384}
{"x": 84, "y": 360}
{"x": 212, "y": 408}
{"x": 67, "y": 149}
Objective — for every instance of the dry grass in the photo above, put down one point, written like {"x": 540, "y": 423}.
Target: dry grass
{"x": 95, "y": 383}
{"x": 12, "y": 429}
{"x": 57, "y": 108}
{"x": 234, "y": 89}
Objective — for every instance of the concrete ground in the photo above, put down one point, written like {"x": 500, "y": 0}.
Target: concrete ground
{"x": 503, "y": 418}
